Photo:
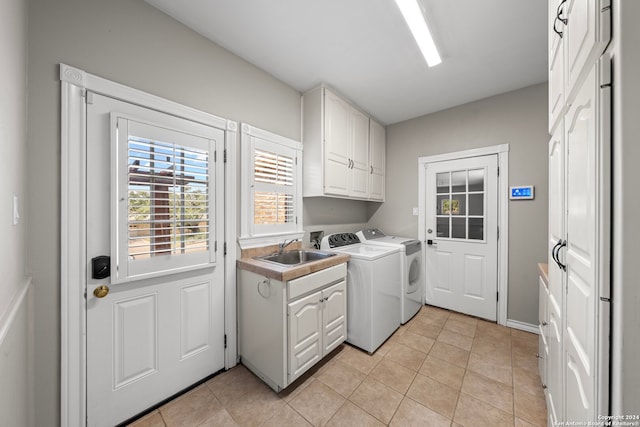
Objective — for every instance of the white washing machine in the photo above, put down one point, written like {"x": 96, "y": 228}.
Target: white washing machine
{"x": 373, "y": 289}
{"x": 412, "y": 275}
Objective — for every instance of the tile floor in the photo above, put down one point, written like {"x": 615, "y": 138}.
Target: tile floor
{"x": 440, "y": 369}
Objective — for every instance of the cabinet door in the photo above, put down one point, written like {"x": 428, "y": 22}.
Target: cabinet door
{"x": 334, "y": 322}
{"x": 554, "y": 366}
{"x": 305, "y": 327}
{"x": 377, "y": 153}
{"x": 556, "y": 212}
{"x": 556, "y": 66}
{"x": 580, "y": 346}
{"x": 543, "y": 320}
{"x": 337, "y": 150}
{"x": 586, "y": 35}
{"x": 359, "y": 176}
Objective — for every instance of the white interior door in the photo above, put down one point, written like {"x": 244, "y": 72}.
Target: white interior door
{"x": 462, "y": 227}
{"x": 155, "y": 200}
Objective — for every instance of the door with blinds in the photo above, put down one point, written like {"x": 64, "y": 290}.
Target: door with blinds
{"x": 155, "y": 271}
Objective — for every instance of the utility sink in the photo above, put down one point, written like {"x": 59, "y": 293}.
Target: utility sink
{"x": 296, "y": 257}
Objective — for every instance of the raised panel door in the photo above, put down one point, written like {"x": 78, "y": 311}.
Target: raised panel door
{"x": 556, "y": 67}
{"x": 377, "y": 155}
{"x": 580, "y": 334}
{"x": 556, "y": 213}
{"x": 586, "y": 35}
{"x": 305, "y": 334}
{"x": 334, "y": 316}
{"x": 337, "y": 150}
{"x": 359, "y": 165}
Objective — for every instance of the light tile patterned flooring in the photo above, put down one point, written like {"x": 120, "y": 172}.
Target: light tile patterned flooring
{"x": 440, "y": 369}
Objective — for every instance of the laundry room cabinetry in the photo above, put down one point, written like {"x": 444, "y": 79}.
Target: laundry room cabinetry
{"x": 344, "y": 149}
{"x": 286, "y": 327}
{"x": 579, "y": 31}
{"x": 576, "y": 340}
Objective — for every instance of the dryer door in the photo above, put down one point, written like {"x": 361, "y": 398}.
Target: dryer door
{"x": 414, "y": 274}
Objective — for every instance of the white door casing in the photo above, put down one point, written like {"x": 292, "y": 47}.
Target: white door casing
{"x": 462, "y": 223}
{"x": 502, "y": 152}
{"x": 74, "y": 86}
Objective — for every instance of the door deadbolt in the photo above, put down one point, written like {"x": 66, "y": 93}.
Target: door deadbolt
{"x": 100, "y": 267}
{"x": 101, "y": 291}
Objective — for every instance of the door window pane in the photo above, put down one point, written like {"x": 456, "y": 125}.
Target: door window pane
{"x": 458, "y": 228}
{"x": 458, "y": 204}
{"x": 458, "y": 181}
{"x": 476, "y": 180}
{"x": 442, "y": 229}
{"x": 476, "y": 204}
{"x": 442, "y": 182}
{"x": 476, "y": 228}
{"x": 460, "y": 199}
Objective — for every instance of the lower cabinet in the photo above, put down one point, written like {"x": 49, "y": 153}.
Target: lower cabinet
{"x": 317, "y": 325}
{"x": 284, "y": 328}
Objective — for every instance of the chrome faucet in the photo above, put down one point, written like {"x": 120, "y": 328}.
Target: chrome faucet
{"x": 284, "y": 244}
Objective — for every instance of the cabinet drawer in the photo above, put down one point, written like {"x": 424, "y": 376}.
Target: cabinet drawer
{"x": 313, "y": 281}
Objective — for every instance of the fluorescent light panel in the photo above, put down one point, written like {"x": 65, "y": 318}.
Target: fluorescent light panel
{"x": 412, "y": 13}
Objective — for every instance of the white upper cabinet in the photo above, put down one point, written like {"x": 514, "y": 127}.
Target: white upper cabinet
{"x": 338, "y": 141}
{"x": 377, "y": 149}
{"x": 579, "y": 31}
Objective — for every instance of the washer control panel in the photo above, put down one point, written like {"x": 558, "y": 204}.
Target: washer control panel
{"x": 341, "y": 239}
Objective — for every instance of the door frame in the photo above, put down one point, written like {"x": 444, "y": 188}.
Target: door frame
{"x": 502, "y": 151}
{"x": 73, "y": 269}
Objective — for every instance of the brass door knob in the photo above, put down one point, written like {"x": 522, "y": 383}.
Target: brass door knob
{"x": 101, "y": 291}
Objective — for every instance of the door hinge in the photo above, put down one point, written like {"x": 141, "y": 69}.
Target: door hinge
{"x": 225, "y": 340}
{"x": 497, "y": 296}
{"x": 224, "y": 248}
{"x": 88, "y": 95}
{"x": 498, "y": 233}
{"x": 215, "y": 156}
{"x": 498, "y": 170}
{"x": 224, "y": 156}
{"x": 215, "y": 246}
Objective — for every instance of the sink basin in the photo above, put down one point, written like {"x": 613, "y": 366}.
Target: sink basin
{"x": 296, "y": 257}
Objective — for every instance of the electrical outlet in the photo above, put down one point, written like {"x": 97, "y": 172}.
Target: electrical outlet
{"x": 315, "y": 237}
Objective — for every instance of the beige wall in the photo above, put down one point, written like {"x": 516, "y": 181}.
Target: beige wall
{"x": 134, "y": 44}
{"x": 517, "y": 118}
{"x": 13, "y": 143}
{"x": 16, "y": 365}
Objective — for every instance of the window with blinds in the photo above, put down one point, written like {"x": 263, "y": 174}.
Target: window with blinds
{"x": 273, "y": 201}
{"x": 167, "y": 199}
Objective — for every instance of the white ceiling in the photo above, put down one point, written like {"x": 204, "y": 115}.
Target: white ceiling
{"x": 364, "y": 50}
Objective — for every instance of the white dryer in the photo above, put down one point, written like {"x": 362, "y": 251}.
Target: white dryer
{"x": 412, "y": 275}
{"x": 373, "y": 289}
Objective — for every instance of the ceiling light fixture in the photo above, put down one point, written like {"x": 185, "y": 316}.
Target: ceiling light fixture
{"x": 412, "y": 13}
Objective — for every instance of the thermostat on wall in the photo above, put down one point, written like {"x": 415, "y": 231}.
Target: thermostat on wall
{"x": 522, "y": 192}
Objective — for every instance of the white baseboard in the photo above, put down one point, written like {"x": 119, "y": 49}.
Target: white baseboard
{"x": 9, "y": 315}
{"x": 527, "y": 327}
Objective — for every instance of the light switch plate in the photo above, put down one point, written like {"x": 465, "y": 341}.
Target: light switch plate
{"x": 416, "y": 212}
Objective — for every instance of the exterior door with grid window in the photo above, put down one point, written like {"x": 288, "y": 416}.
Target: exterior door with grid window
{"x": 462, "y": 235}
{"x": 155, "y": 206}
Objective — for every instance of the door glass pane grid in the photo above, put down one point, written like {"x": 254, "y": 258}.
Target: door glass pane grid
{"x": 168, "y": 199}
{"x": 460, "y": 199}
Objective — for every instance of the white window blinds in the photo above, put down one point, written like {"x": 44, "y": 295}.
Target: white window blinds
{"x": 274, "y": 188}
{"x": 168, "y": 203}
{"x": 166, "y": 186}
